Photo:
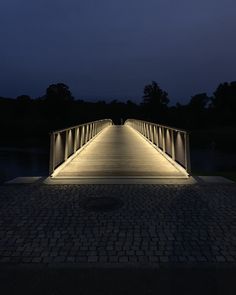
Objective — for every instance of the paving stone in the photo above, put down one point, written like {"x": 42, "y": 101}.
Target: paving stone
{"x": 157, "y": 224}
{"x": 220, "y": 259}
{"x": 81, "y": 259}
{"x": 123, "y": 259}
{"x": 164, "y": 259}
{"x": 92, "y": 258}
{"x": 113, "y": 259}
{"x": 154, "y": 259}
{"x": 104, "y": 259}
{"x": 70, "y": 259}
{"x": 36, "y": 259}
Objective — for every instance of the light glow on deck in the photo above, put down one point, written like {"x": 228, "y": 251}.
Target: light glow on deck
{"x": 119, "y": 151}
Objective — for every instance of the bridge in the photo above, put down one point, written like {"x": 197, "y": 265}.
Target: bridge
{"x": 137, "y": 149}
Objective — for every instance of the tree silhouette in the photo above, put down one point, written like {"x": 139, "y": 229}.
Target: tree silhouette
{"x": 199, "y": 102}
{"x": 225, "y": 97}
{"x": 155, "y": 96}
{"x": 59, "y": 92}
{"x": 223, "y": 106}
{"x": 196, "y": 111}
{"x": 155, "y": 102}
{"x": 23, "y": 98}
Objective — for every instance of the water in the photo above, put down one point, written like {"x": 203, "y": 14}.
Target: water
{"x": 23, "y": 162}
{"x": 34, "y": 162}
{"x": 212, "y": 161}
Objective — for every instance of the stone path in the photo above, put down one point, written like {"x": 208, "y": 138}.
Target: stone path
{"x": 158, "y": 224}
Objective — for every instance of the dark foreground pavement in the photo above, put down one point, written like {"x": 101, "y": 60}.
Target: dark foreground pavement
{"x": 87, "y": 281}
{"x": 176, "y": 239}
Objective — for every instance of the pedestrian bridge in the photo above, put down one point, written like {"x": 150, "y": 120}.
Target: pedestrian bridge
{"x": 137, "y": 149}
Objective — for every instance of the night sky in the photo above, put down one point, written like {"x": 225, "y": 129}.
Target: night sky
{"x": 111, "y": 49}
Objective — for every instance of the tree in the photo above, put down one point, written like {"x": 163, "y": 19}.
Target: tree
{"x": 199, "y": 102}
{"x": 223, "y": 106}
{"x": 155, "y": 96}
{"x": 23, "y": 98}
{"x": 196, "y": 111}
{"x": 225, "y": 97}
{"x": 155, "y": 102}
{"x": 59, "y": 92}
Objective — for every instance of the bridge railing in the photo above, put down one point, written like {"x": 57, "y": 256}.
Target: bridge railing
{"x": 173, "y": 143}
{"x": 65, "y": 143}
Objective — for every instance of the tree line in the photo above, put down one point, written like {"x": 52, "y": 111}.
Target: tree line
{"x": 24, "y": 118}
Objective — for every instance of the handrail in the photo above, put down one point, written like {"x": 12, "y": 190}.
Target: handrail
{"x": 172, "y": 142}
{"x": 65, "y": 143}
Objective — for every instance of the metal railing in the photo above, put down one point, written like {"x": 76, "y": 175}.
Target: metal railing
{"x": 65, "y": 143}
{"x": 173, "y": 143}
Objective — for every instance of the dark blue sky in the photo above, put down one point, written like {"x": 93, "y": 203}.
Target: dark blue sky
{"x": 111, "y": 49}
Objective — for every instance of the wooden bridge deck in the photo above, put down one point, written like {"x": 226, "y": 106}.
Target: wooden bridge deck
{"x": 119, "y": 151}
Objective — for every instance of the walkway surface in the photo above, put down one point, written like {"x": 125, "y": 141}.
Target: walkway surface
{"x": 157, "y": 224}
{"x": 119, "y": 151}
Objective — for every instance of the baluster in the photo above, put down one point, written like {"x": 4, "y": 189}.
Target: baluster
{"x": 172, "y": 145}
{"x": 66, "y": 146}
{"x": 187, "y": 153}
{"x": 52, "y": 153}
{"x": 163, "y": 140}
{"x": 75, "y": 139}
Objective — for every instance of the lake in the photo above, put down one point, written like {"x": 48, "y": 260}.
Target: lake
{"x": 23, "y": 162}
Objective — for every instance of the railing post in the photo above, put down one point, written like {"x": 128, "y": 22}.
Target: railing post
{"x": 172, "y": 145}
{"x": 93, "y": 130}
{"x": 75, "y": 139}
{"x": 89, "y": 132}
{"x": 52, "y": 154}
{"x": 146, "y": 130}
{"x": 152, "y": 135}
{"x": 94, "y": 133}
{"x": 83, "y": 136}
{"x": 86, "y": 134}
{"x": 66, "y": 146}
{"x": 163, "y": 139}
{"x": 79, "y": 136}
{"x": 187, "y": 153}
{"x": 155, "y": 136}
{"x": 149, "y": 133}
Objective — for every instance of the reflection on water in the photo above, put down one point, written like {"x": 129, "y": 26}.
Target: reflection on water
{"x": 34, "y": 162}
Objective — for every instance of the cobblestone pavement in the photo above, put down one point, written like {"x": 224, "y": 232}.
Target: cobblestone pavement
{"x": 158, "y": 224}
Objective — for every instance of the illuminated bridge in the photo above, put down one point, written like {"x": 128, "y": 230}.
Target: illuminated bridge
{"x": 137, "y": 149}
